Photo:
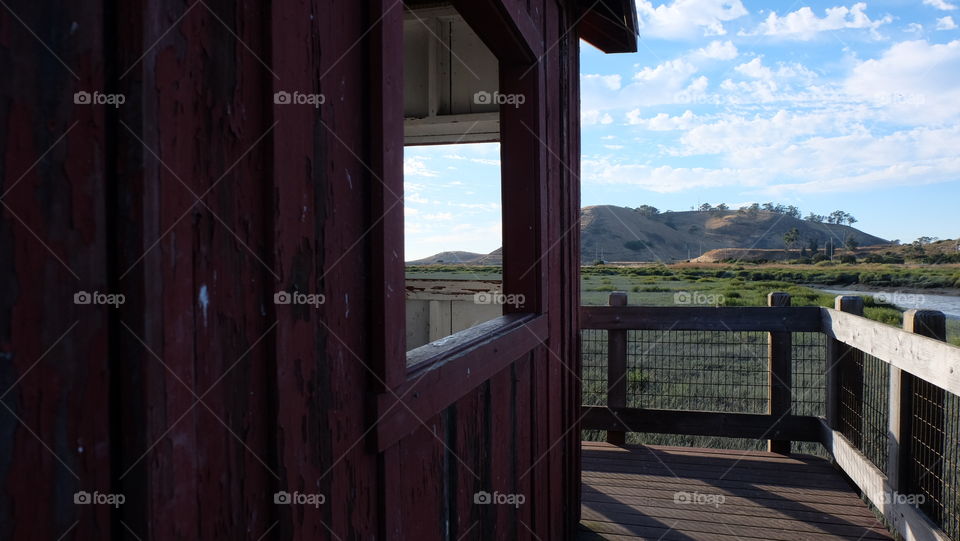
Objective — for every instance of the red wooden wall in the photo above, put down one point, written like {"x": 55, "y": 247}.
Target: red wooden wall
{"x": 198, "y": 199}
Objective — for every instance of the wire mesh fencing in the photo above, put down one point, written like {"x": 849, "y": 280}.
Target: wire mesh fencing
{"x": 864, "y": 399}
{"x": 712, "y": 371}
{"x": 934, "y": 454}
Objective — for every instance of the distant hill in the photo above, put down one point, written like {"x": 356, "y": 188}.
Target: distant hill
{"x": 624, "y": 234}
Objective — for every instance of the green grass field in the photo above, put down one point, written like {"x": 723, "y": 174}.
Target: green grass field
{"x": 737, "y": 285}
{"x": 717, "y": 371}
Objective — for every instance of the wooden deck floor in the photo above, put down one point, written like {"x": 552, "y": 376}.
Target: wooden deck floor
{"x": 678, "y": 493}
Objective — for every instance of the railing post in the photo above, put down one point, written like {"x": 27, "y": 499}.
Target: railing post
{"x": 617, "y": 368}
{"x": 842, "y": 368}
{"x": 779, "y": 374}
{"x": 929, "y": 417}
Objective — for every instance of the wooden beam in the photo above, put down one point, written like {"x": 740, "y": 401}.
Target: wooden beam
{"x": 617, "y": 369}
{"x": 779, "y": 374}
{"x": 695, "y": 318}
{"x": 387, "y": 272}
{"x": 610, "y": 25}
{"x": 505, "y": 28}
{"x": 926, "y": 358}
{"x": 442, "y": 372}
{"x": 701, "y": 423}
{"x": 909, "y": 521}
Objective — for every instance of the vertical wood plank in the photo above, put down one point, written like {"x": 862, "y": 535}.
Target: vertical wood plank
{"x": 779, "y": 374}
{"x": 842, "y": 371}
{"x": 617, "y": 368}
{"x": 54, "y": 241}
{"x": 388, "y": 282}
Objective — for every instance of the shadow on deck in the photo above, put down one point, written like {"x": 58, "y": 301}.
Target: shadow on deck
{"x": 677, "y": 493}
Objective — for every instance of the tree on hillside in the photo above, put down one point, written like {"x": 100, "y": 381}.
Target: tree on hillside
{"x": 706, "y": 207}
{"x": 790, "y": 238}
{"x": 751, "y": 210}
{"x": 647, "y": 210}
{"x": 816, "y": 218}
{"x": 852, "y": 243}
{"x": 722, "y": 206}
{"x": 793, "y": 212}
{"x": 813, "y": 244}
{"x": 839, "y": 217}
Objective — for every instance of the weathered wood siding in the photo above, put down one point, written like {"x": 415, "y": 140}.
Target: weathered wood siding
{"x": 198, "y": 199}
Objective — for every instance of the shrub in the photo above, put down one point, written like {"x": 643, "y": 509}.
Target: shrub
{"x": 634, "y": 245}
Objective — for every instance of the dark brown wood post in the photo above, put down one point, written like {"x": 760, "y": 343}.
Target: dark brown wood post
{"x": 779, "y": 374}
{"x": 844, "y": 374}
{"x": 917, "y": 419}
{"x": 617, "y": 368}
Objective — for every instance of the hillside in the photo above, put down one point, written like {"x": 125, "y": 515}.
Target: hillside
{"x": 614, "y": 233}
{"x": 623, "y": 234}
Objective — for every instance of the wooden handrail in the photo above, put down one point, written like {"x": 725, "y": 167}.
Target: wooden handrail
{"x": 928, "y": 359}
{"x": 697, "y": 318}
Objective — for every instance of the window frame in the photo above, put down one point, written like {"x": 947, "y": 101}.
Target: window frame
{"x": 446, "y": 370}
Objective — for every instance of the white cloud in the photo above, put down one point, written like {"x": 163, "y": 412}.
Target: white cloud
{"x": 755, "y": 69}
{"x": 789, "y": 153}
{"x": 915, "y": 28}
{"x": 913, "y": 81}
{"x": 946, "y": 23}
{"x": 717, "y": 50}
{"x": 687, "y": 18}
{"x": 610, "y": 82}
{"x": 483, "y": 161}
{"x": 804, "y": 24}
{"x": 663, "y": 121}
{"x": 649, "y": 86}
{"x": 593, "y": 117}
{"x": 416, "y": 167}
{"x": 940, "y": 4}
{"x": 663, "y": 179}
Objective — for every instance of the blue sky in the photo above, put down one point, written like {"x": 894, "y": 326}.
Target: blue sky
{"x": 822, "y": 105}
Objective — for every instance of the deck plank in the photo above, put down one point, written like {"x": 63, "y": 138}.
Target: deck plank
{"x": 631, "y": 492}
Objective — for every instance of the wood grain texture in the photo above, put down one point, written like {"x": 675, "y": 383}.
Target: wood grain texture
{"x": 687, "y": 318}
{"x": 200, "y": 199}
{"x": 649, "y": 492}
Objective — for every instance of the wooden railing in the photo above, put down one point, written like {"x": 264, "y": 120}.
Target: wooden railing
{"x": 919, "y": 373}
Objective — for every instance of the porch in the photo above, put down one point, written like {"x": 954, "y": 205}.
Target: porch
{"x": 773, "y": 422}
{"x": 683, "y": 493}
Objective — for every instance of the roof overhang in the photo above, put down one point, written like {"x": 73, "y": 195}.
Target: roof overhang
{"x": 609, "y": 25}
